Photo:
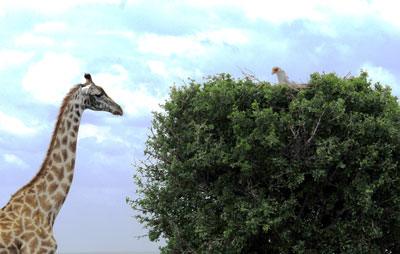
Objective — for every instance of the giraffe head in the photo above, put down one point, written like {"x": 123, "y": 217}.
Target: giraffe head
{"x": 95, "y": 98}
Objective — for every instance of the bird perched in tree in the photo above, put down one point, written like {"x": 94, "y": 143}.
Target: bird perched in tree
{"x": 282, "y": 77}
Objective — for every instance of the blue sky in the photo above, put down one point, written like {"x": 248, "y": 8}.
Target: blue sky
{"x": 136, "y": 50}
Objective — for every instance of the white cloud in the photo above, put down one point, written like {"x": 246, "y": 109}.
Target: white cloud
{"x": 127, "y": 34}
{"x": 51, "y": 27}
{"x": 90, "y": 130}
{"x": 50, "y": 79}
{"x": 14, "y": 125}
{"x": 13, "y": 159}
{"x": 50, "y": 6}
{"x": 383, "y": 76}
{"x": 388, "y": 10}
{"x": 168, "y": 45}
{"x": 29, "y": 39}
{"x": 281, "y": 11}
{"x": 157, "y": 67}
{"x": 10, "y": 58}
{"x": 192, "y": 45}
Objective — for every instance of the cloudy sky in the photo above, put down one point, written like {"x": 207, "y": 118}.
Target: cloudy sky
{"x": 136, "y": 50}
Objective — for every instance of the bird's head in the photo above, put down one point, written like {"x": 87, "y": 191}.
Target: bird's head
{"x": 275, "y": 70}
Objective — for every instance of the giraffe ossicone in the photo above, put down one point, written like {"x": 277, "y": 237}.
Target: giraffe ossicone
{"x": 26, "y": 221}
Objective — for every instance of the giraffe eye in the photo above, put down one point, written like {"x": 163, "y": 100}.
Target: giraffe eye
{"x": 98, "y": 95}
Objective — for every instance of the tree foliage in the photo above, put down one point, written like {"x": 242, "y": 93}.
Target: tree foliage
{"x": 238, "y": 166}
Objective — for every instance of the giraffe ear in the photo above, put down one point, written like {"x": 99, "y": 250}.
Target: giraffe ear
{"x": 88, "y": 78}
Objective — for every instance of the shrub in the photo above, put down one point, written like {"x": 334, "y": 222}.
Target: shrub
{"x": 238, "y": 166}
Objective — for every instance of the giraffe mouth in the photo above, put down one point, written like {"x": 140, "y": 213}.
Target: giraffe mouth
{"x": 118, "y": 111}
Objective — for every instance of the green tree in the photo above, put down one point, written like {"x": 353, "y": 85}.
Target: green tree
{"x": 238, "y": 166}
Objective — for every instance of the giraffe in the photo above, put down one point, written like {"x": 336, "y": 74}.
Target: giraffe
{"x": 26, "y": 221}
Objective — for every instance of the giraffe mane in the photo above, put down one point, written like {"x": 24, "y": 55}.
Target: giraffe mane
{"x": 43, "y": 169}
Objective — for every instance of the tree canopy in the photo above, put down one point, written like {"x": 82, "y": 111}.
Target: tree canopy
{"x": 242, "y": 166}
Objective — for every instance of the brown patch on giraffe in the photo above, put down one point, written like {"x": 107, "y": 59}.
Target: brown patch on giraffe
{"x": 59, "y": 172}
{"x": 27, "y": 236}
{"x": 26, "y": 211}
{"x": 70, "y": 177}
{"x": 65, "y": 187}
{"x": 50, "y": 162}
{"x": 64, "y": 140}
{"x": 50, "y": 177}
{"x": 42, "y": 233}
{"x": 47, "y": 243}
{"x": 31, "y": 200}
{"x": 56, "y": 157}
{"x": 72, "y": 146}
{"x": 75, "y": 128}
{"x": 72, "y": 134}
{"x": 68, "y": 124}
{"x": 19, "y": 200}
{"x": 16, "y": 207}
{"x": 44, "y": 202}
{"x": 52, "y": 188}
{"x": 59, "y": 198}
{"x": 78, "y": 113}
{"x": 18, "y": 228}
{"x": 57, "y": 144}
{"x": 33, "y": 245}
{"x": 42, "y": 186}
{"x": 38, "y": 217}
{"x": 42, "y": 250}
{"x": 64, "y": 154}
{"x": 6, "y": 236}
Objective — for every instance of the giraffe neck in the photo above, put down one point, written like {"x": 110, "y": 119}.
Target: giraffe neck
{"x": 49, "y": 188}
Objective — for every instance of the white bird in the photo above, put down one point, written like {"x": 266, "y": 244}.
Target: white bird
{"x": 282, "y": 77}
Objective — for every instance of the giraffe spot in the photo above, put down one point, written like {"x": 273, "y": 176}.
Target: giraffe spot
{"x": 56, "y": 143}
{"x": 75, "y": 128}
{"x": 44, "y": 202}
{"x": 16, "y": 207}
{"x": 59, "y": 198}
{"x": 64, "y": 140}
{"x": 50, "y": 177}
{"x": 27, "y": 236}
{"x": 72, "y": 146}
{"x": 42, "y": 186}
{"x": 76, "y": 120}
{"x": 33, "y": 245}
{"x": 6, "y": 236}
{"x": 68, "y": 124}
{"x": 42, "y": 250}
{"x": 56, "y": 157}
{"x": 64, "y": 154}
{"x": 19, "y": 200}
{"x": 77, "y": 113}
{"x": 70, "y": 177}
{"x": 76, "y": 105}
{"x": 59, "y": 172}
{"x": 52, "y": 188}
{"x": 65, "y": 187}
{"x": 38, "y": 217}
{"x": 42, "y": 233}
{"x": 72, "y": 134}
{"x": 26, "y": 211}
{"x": 49, "y": 162}
{"x": 31, "y": 200}
{"x": 18, "y": 230}
{"x": 71, "y": 165}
